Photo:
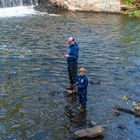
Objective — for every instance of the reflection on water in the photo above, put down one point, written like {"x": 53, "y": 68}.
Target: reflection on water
{"x": 34, "y": 74}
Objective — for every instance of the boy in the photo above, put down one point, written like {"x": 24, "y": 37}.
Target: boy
{"x": 82, "y": 84}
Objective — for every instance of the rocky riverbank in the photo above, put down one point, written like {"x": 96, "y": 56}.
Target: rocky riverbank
{"x": 112, "y": 6}
{"x": 131, "y": 8}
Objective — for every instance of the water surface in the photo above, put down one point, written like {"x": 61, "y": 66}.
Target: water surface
{"x": 34, "y": 74}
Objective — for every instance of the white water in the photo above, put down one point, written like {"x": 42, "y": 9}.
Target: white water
{"x": 15, "y": 3}
{"x": 17, "y": 8}
{"x": 21, "y": 10}
{"x": 17, "y": 11}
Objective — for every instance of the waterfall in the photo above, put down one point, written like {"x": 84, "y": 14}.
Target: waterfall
{"x": 15, "y": 3}
{"x": 17, "y": 8}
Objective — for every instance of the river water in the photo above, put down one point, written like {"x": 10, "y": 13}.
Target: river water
{"x": 34, "y": 74}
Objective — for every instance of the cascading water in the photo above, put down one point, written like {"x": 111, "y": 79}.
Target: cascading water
{"x": 15, "y": 3}
{"x": 10, "y": 8}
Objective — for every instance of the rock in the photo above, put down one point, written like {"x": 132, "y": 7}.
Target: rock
{"x": 90, "y": 132}
{"x": 85, "y": 5}
{"x": 70, "y": 111}
{"x": 126, "y": 7}
{"x": 92, "y": 123}
{"x": 96, "y": 82}
{"x": 51, "y": 6}
{"x": 136, "y": 107}
{"x": 94, "y": 5}
{"x": 122, "y": 126}
{"x": 137, "y": 122}
{"x": 130, "y": 111}
{"x": 116, "y": 113}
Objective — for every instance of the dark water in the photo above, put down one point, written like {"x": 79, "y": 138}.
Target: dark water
{"x": 33, "y": 74}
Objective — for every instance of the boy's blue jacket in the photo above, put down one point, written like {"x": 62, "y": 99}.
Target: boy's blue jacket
{"x": 82, "y": 85}
{"x": 73, "y": 52}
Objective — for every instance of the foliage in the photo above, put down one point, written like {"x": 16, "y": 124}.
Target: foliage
{"x": 129, "y": 2}
{"x": 133, "y": 3}
{"x": 134, "y": 14}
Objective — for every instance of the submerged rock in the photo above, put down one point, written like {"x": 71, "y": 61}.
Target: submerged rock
{"x": 116, "y": 113}
{"x": 96, "y": 82}
{"x": 92, "y": 123}
{"x": 130, "y": 111}
{"x": 122, "y": 126}
{"x": 136, "y": 107}
{"x": 90, "y": 132}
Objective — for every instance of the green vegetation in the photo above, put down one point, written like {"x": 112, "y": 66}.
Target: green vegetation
{"x": 135, "y": 13}
{"x": 135, "y": 10}
{"x": 129, "y": 2}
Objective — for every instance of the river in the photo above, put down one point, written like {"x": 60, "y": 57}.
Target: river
{"x": 34, "y": 74}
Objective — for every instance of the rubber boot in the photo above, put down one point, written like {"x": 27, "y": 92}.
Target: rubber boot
{"x": 83, "y": 108}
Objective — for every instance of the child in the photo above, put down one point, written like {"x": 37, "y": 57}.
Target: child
{"x": 81, "y": 88}
{"x": 82, "y": 84}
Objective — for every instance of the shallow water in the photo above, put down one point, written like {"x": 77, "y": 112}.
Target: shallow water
{"x": 34, "y": 74}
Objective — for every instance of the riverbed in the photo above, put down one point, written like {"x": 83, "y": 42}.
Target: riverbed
{"x": 34, "y": 74}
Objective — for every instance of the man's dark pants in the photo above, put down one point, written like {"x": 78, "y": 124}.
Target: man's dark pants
{"x": 72, "y": 70}
{"x": 83, "y": 99}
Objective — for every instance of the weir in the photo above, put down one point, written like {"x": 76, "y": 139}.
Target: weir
{"x": 15, "y": 3}
{"x": 17, "y": 8}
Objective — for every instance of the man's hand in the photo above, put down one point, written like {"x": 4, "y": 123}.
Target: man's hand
{"x": 66, "y": 56}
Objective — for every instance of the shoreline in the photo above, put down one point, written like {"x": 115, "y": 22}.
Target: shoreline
{"x": 123, "y": 7}
{"x": 129, "y": 11}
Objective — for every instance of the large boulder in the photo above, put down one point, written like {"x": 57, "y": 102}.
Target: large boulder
{"x": 86, "y": 5}
{"x": 93, "y": 5}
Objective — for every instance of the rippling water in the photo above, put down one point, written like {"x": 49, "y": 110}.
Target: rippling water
{"x": 34, "y": 74}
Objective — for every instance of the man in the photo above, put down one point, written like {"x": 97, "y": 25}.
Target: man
{"x": 72, "y": 57}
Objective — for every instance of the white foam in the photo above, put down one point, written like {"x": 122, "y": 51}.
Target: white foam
{"x": 18, "y": 11}
{"x": 53, "y": 15}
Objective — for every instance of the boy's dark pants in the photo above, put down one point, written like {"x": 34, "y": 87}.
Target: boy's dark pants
{"x": 72, "y": 70}
{"x": 83, "y": 99}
